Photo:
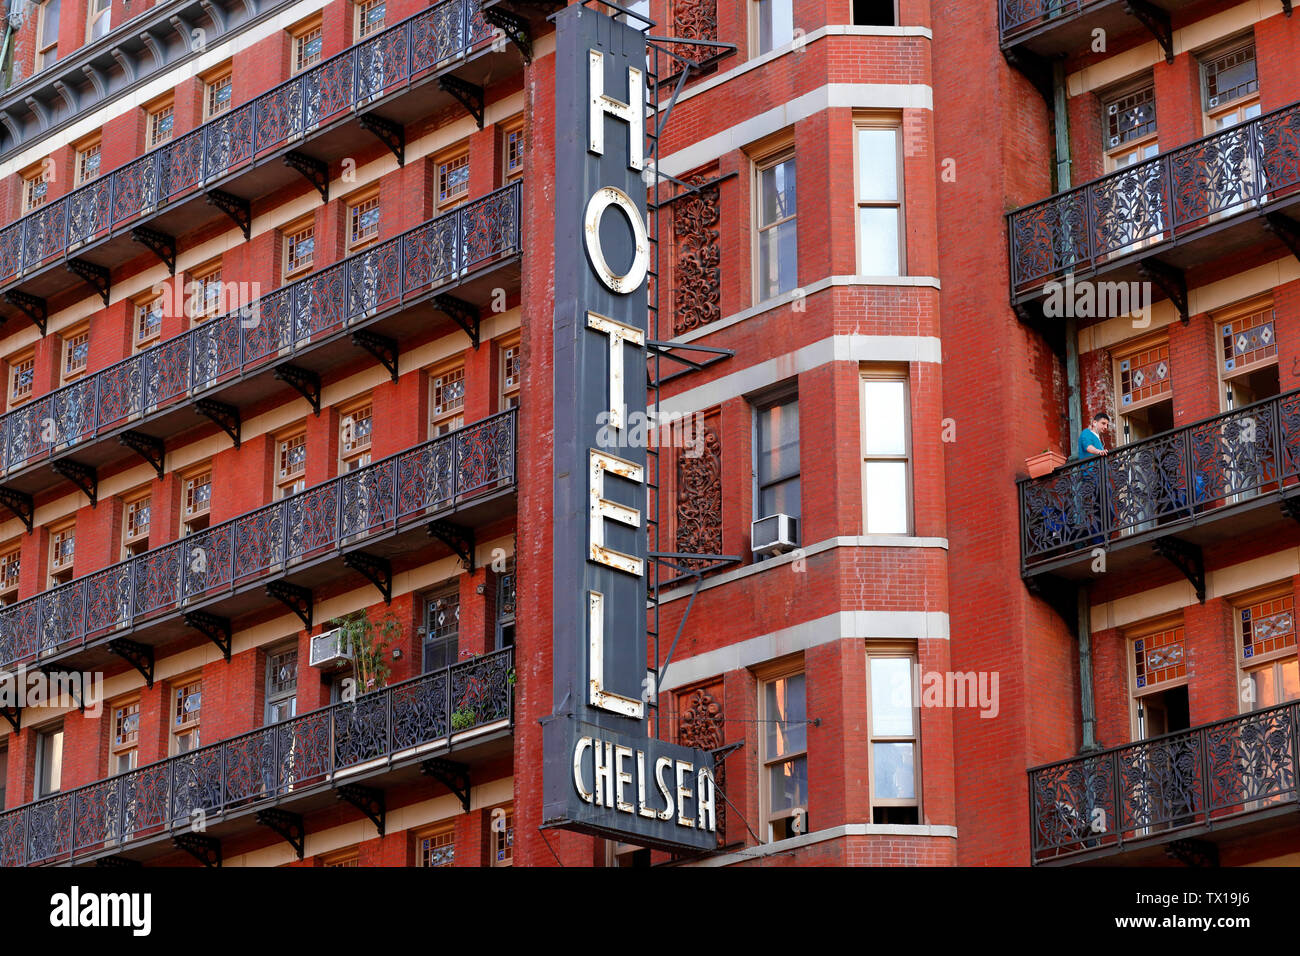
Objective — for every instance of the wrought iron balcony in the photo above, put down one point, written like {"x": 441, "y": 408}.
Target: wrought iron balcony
{"x": 1048, "y": 28}
{"x": 1209, "y": 199}
{"x": 297, "y": 765}
{"x": 1182, "y": 482}
{"x": 304, "y": 325}
{"x": 381, "y": 509}
{"x": 226, "y": 161}
{"x": 1212, "y": 782}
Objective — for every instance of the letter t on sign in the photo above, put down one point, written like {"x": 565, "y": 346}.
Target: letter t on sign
{"x": 618, "y": 334}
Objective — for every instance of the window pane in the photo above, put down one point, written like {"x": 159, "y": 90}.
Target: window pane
{"x": 777, "y": 192}
{"x": 778, "y": 442}
{"x": 789, "y": 785}
{"x": 894, "y": 773}
{"x": 780, "y": 499}
{"x": 775, "y": 24}
{"x": 51, "y": 762}
{"x": 1290, "y": 679}
{"x": 891, "y": 696}
{"x": 786, "y": 730}
{"x": 878, "y": 165}
{"x": 886, "y": 492}
{"x": 886, "y": 418}
{"x": 50, "y": 32}
{"x": 777, "y": 260}
{"x": 1262, "y": 684}
{"x": 877, "y": 241}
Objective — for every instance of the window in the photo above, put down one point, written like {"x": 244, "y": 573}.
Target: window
{"x": 784, "y": 789}
{"x": 875, "y": 13}
{"x": 307, "y": 46}
{"x": 281, "y": 684}
{"x": 47, "y": 34}
{"x": 299, "y": 247}
{"x": 99, "y": 17}
{"x": 441, "y": 630}
{"x": 893, "y": 721}
{"x": 135, "y": 524}
{"x": 446, "y": 401}
{"x": 148, "y": 322}
{"x": 49, "y": 762}
{"x": 63, "y": 549}
{"x": 217, "y": 94}
{"x": 1230, "y": 86}
{"x": 453, "y": 180}
{"x": 773, "y": 24}
{"x": 369, "y": 18}
{"x": 159, "y": 126}
{"x": 1158, "y": 675}
{"x": 22, "y": 378}
{"x": 1268, "y": 652}
{"x": 76, "y": 353}
{"x": 436, "y": 847}
{"x": 349, "y": 857}
{"x": 506, "y": 595}
{"x": 196, "y": 501}
{"x": 510, "y": 355}
{"x": 881, "y": 238}
{"x": 1130, "y": 127}
{"x": 205, "y": 288}
{"x": 354, "y": 437}
{"x": 776, "y": 450}
{"x": 88, "y": 158}
{"x": 187, "y": 706}
{"x": 886, "y": 490}
{"x": 502, "y": 821}
{"x": 363, "y": 222}
{"x": 1248, "y": 359}
{"x": 512, "y": 150}
{"x": 124, "y": 737}
{"x": 291, "y": 465}
{"x": 776, "y": 237}
{"x": 1144, "y": 382}
{"x": 10, "y": 567}
{"x": 36, "y": 187}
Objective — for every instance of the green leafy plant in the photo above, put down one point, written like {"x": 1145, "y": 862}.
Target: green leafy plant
{"x": 463, "y": 718}
{"x": 370, "y": 642}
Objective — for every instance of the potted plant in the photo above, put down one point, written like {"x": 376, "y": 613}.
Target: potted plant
{"x": 1044, "y": 463}
{"x": 370, "y": 642}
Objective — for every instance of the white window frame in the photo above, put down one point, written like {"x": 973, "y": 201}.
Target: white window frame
{"x": 893, "y": 124}
{"x": 868, "y": 375}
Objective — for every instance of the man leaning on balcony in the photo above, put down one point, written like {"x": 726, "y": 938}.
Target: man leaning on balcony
{"x": 1090, "y": 440}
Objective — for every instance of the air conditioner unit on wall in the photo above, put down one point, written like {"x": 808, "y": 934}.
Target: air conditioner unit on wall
{"x": 330, "y": 648}
{"x": 775, "y": 534}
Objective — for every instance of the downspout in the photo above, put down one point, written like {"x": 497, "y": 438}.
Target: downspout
{"x": 6, "y": 64}
{"x": 1083, "y": 615}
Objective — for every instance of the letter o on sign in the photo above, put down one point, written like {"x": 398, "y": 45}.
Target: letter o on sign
{"x": 603, "y": 198}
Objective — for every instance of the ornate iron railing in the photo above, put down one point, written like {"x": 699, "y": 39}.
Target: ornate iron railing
{"x": 1019, "y": 16}
{"x": 1149, "y": 788}
{"x": 267, "y": 765}
{"x": 339, "y": 514}
{"x": 287, "y": 320}
{"x": 1163, "y": 198}
{"x": 1220, "y": 462}
{"x": 417, "y": 46}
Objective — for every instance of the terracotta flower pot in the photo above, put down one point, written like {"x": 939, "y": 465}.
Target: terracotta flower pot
{"x": 1044, "y": 464}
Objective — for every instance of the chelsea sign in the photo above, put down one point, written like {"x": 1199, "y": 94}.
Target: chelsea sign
{"x": 603, "y": 773}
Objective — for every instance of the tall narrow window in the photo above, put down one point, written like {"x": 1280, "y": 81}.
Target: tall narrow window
{"x": 446, "y": 401}
{"x": 36, "y": 187}
{"x": 441, "y": 630}
{"x": 124, "y": 737}
{"x": 363, "y": 222}
{"x": 187, "y": 708}
{"x": 281, "y": 684}
{"x": 773, "y": 24}
{"x": 196, "y": 501}
{"x": 503, "y": 836}
{"x": 148, "y": 322}
{"x": 99, "y": 18}
{"x": 453, "y": 180}
{"x": 299, "y": 247}
{"x": 436, "y": 846}
{"x": 776, "y": 450}
{"x": 135, "y": 524}
{"x": 369, "y": 17}
{"x": 1158, "y": 655}
{"x": 76, "y": 354}
{"x": 512, "y": 150}
{"x": 160, "y": 124}
{"x": 217, "y": 94}
{"x": 22, "y": 378}
{"x": 1230, "y": 86}
{"x": 880, "y": 200}
{"x": 88, "y": 159}
{"x": 784, "y": 789}
{"x": 1249, "y": 354}
{"x": 777, "y": 254}
{"x": 63, "y": 551}
{"x": 886, "y": 445}
{"x": 47, "y": 34}
{"x": 307, "y": 46}
{"x": 10, "y": 568}
{"x": 893, "y": 721}
{"x": 291, "y": 465}
{"x": 49, "y": 762}
{"x": 506, "y": 595}
{"x": 354, "y": 437}
{"x": 510, "y": 376}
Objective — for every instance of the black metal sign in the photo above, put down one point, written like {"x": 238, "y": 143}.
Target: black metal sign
{"x": 603, "y": 773}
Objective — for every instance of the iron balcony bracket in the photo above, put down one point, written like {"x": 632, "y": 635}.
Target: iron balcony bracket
{"x": 288, "y": 825}
{"x": 205, "y": 849}
{"x": 1187, "y": 558}
{"x": 226, "y": 417}
{"x": 390, "y": 134}
{"x": 239, "y": 210}
{"x": 369, "y": 800}
{"x": 119, "y": 862}
{"x": 458, "y": 538}
{"x": 139, "y": 656}
{"x": 315, "y": 170}
{"x": 514, "y": 27}
{"x": 1061, "y": 596}
{"x": 381, "y": 347}
{"x": 304, "y": 381}
{"x": 151, "y": 449}
{"x": 454, "y": 776}
{"x": 461, "y": 312}
{"x": 1157, "y": 23}
{"x": 1173, "y": 282}
{"x": 466, "y": 94}
{"x": 52, "y": 672}
{"x": 378, "y": 571}
{"x": 32, "y": 306}
{"x": 20, "y": 503}
{"x": 1036, "y": 69}
{"x": 98, "y": 277}
{"x": 215, "y": 628}
{"x": 1032, "y": 315}
{"x": 1286, "y": 7}
{"x": 159, "y": 243}
{"x": 1193, "y": 852}
{"x": 1286, "y": 229}
{"x": 83, "y": 476}
{"x": 295, "y": 598}
{"x": 14, "y": 715}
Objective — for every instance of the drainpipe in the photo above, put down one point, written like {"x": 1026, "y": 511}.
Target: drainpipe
{"x": 1083, "y": 615}
{"x": 6, "y": 78}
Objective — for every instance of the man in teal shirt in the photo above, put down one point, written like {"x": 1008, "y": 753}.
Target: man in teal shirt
{"x": 1090, "y": 443}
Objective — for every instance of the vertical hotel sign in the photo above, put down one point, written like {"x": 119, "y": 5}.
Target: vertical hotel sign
{"x": 603, "y": 773}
